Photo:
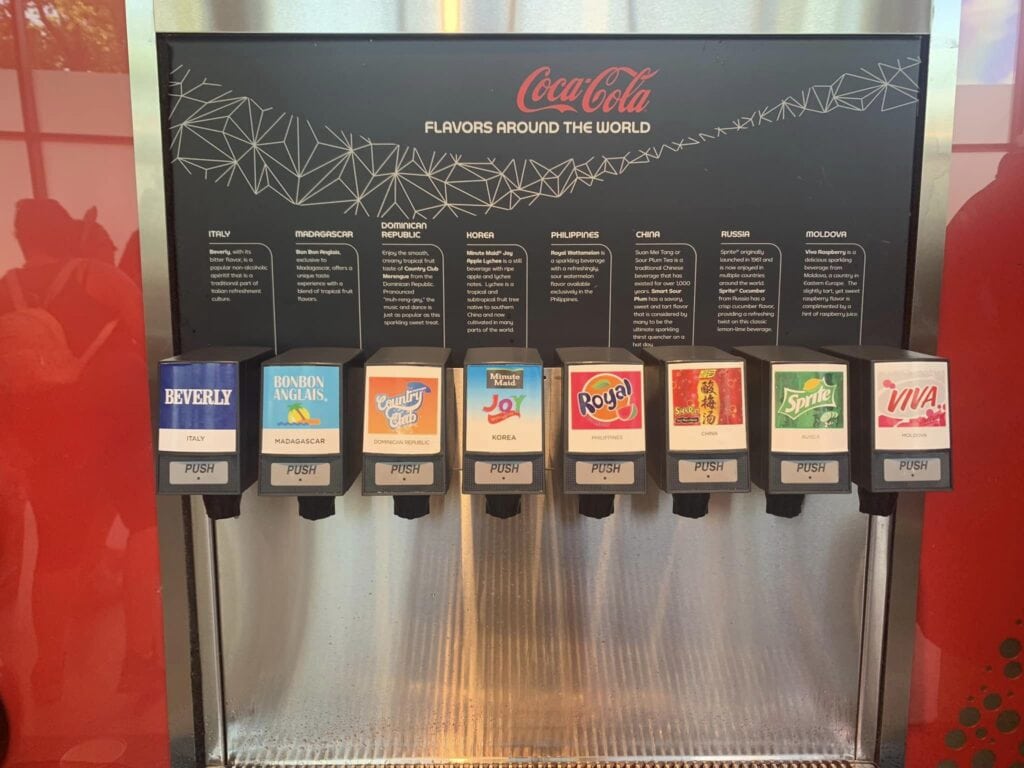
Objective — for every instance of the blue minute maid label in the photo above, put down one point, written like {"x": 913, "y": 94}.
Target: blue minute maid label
{"x": 301, "y": 410}
{"x": 198, "y": 407}
{"x": 503, "y": 408}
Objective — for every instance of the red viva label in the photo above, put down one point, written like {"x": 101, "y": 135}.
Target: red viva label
{"x": 919, "y": 404}
{"x": 614, "y": 89}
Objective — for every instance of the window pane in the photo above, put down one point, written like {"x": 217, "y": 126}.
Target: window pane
{"x": 16, "y": 184}
{"x": 988, "y": 42}
{"x": 75, "y": 35}
{"x": 100, "y": 176}
{"x": 83, "y": 102}
{"x": 969, "y": 172}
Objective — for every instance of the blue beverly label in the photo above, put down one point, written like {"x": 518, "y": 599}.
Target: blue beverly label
{"x": 301, "y": 409}
{"x": 198, "y": 407}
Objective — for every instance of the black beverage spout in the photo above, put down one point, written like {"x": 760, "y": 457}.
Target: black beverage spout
{"x": 316, "y": 507}
{"x": 877, "y": 504}
{"x": 596, "y": 505}
{"x": 503, "y": 505}
{"x": 788, "y": 505}
{"x": 222, "y": 507}
{"x": 412, "y": 507}
{"x": 691, "y": 505}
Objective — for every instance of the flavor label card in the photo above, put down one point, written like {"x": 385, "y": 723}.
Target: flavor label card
{"x": 198, "y": 407}
{"x": 810, "y": 402}
{"x": 911, "y": 406}
{"x": 301, "y": 410}
{"x": 707, "y": 407}
{"x": 605, "y": 409}
{"x": 503, "y": 408}
{"x": 403, "y": 409}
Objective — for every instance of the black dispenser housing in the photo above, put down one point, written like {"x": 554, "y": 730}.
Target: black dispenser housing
{"x": 208, "y": 425}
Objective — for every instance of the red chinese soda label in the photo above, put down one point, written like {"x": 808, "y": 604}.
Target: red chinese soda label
{"x": 707, "y": 397}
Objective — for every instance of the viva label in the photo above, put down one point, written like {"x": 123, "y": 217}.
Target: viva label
{"x": 503, "y": 408}
{"x": 809, "y": 408}
{"x": 911, "y": 405}
{"x": 301, "y": 410}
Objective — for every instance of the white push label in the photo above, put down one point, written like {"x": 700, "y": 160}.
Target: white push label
{"x": 197, "y": 473}
{"x": 810, "y": 472}
{"x": 300, "y": 473}
{"x": 911, "y": 470}
{"x": 403, "y": 473}
{"x": 708, "y": 471}
{"x": 605, "y": 472}
{"x": 503, "y": 472}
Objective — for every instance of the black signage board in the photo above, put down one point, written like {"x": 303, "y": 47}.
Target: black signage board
{"x": 513, "y": 191}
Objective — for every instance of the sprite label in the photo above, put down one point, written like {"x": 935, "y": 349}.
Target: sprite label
{"x": 809, "y": 400}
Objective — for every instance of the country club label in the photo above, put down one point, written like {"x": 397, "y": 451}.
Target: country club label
{"x": 503, "y": 408}
{"x": 198, "y": 407}
{"x": 605, "y": 409}
{"x": 706, "y": 407}
{"x": 403, "y": 409}
{"x": 809, "y": 408}
{"x": 301, "y": 410}
{"x": 911, "y": 406}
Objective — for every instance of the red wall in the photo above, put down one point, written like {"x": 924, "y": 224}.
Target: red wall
{"x": 81, "y": 636}
{"x": 968, "y": 690}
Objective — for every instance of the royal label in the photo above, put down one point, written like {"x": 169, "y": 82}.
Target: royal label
{"x": 198, "y": 407}
{"x": 809, "y": 405}
{"x": 605, "y": 409}
{"x": 503, "y": 409}
{"x": 301, "y": 410}
{"x": 706, "y": 407}
{"x": 911, "y": 405}
{"x": 403, "y": 409}
{"x": 619, "y": 90}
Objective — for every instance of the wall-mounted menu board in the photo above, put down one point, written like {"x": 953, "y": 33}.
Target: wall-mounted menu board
{"x": 539, "y": 191}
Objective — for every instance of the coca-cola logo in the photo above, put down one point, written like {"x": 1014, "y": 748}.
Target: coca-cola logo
{"x": 618, "y": 90}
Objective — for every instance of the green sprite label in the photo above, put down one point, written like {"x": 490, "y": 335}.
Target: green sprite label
{"x": 808, "y": 400}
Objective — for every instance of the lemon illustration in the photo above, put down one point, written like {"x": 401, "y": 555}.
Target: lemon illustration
{"x": 811, "y": 384}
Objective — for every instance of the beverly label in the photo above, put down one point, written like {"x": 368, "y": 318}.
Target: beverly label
{"x": 707, "y": 407}
{"x": 605, "y": 408}
{"x": 809, "y": 408}
{"x": 911, "y": 406}
{"x": 403, "y": 409}
{"x": 198, "y": 407}
{"x": 503, "y": 408}
{"x": 301, "y": 410}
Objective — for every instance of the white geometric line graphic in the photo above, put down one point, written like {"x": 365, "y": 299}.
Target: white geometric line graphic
{"x": 229, "y": 138}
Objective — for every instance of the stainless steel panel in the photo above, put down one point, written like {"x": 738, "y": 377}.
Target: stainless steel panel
{"x": 904, "y": 542}
{"x": 544, "y": 16}
{"x": 369, "y": 638}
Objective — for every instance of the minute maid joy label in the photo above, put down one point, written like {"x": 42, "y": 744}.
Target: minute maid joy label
{"x": 198, "y": 407}
{"x": 809, "y": 408}
{"x": 605, "y": 409}
{"x": 403, "y": 409}
{"x": 301, "y": 410}
{"x": 503, "y": 408}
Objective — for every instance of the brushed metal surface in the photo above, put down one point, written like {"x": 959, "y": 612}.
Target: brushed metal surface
{"x": 544, "y": 16}
{"x": 904, "y": 542}
{"x": 367, "y": 638}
